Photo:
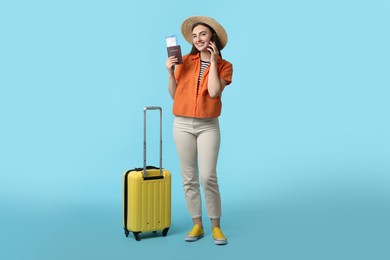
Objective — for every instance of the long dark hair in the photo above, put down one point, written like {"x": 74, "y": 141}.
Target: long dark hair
{"x": 214, "y": 38}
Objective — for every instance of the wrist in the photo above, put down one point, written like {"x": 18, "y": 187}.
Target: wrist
{"x": 213, "y": 63}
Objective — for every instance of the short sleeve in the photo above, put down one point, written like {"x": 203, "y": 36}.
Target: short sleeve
{"x": 180, "y": 67}
{"x": 226, "y": 71}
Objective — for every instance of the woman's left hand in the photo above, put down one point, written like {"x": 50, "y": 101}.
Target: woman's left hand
{"x": 214, "y": 52}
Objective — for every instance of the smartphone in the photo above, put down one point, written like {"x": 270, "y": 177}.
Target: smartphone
{"x": 213, "y": 38}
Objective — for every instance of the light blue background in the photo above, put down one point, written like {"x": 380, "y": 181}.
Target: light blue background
{"x": 304, "y": 164}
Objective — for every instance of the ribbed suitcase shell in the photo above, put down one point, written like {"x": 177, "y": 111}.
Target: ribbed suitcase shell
{"x": 146, "y": 201}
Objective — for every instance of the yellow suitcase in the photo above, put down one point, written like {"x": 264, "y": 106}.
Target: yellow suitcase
{"x": 147, "y": 195}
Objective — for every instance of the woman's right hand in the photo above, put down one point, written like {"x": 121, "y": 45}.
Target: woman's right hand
{"x": 171, "y": 62}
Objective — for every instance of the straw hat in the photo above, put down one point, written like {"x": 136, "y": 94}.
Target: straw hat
{"x": 186, "y": 28}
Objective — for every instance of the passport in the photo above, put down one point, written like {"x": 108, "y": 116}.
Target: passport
{"x": 173, "y": 48}
{"x": 175, "y": 51}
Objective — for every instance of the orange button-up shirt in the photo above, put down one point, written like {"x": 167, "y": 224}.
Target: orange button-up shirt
{"x": 189, "y": 102}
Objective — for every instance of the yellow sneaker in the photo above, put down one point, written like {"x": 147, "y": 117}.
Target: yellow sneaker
{"x": 195, "y": 234}
{"x": 219, "y": 237}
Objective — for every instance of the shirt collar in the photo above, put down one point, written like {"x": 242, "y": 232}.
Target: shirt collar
{"x": 197, "y": 56}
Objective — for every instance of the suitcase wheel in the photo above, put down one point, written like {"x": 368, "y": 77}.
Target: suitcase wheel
{"x": 165, "y": 232}
{"x": 127, "y": 232}
{"x": 136, "y": 235}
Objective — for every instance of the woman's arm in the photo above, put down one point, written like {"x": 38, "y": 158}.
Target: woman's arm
{"x": 215, "y": 84}
{"x": 170, "y": 64}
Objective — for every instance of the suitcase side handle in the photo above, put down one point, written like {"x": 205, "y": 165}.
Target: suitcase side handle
{"x": 145, "y": 109}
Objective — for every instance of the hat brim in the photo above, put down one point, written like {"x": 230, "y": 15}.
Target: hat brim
{"x": 186, "y": 28}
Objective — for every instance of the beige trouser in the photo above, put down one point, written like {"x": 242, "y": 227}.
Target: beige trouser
{"x": 197, "y": 143}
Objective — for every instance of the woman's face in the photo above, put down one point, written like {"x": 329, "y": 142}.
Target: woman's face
{"x": 201, "y": 36}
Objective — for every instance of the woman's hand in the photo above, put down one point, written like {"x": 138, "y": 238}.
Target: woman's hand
{"x": 215, "y": 84}
{"x": 171, "y": 62}
{"x": 213, "y": 51}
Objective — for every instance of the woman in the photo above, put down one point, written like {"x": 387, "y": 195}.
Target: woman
{"x": 196, "y": 87}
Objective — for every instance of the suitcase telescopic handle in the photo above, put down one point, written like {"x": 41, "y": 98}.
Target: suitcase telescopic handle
{"x": 145, "y": 109}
